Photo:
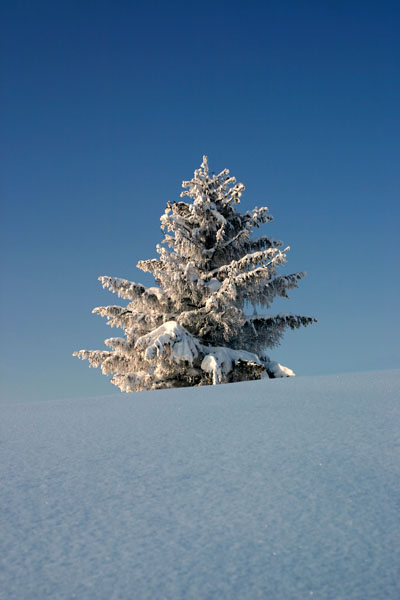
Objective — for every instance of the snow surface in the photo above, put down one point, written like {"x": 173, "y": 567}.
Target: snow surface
{"x": 278, "y": 489}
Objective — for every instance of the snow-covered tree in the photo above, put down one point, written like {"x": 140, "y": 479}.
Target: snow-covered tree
{"x": 194, "y": 326}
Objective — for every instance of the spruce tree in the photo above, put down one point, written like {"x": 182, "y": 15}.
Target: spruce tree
{"x": 194, "y": 326}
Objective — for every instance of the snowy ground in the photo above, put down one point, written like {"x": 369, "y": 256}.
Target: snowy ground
{"x": 283, "y": 489}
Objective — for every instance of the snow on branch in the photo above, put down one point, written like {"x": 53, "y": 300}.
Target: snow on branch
{"x": 117, "y": 315}
{"x": 124, "y": 288}
{"x": 95, "y": 357}
{"x": 150, "y": 265}
{"x": 260, "y": 322}
{"x": 256, "y": 217}
{"x": 260, "y": 243}
{"x": 221, "y": 188}
{"x": 279, "y": 285}
{"x": 131, "y": 382}
{"x": 150, "y": 298}
{"x": 172, "y": 336}
{"x": 274, "y": 256}
{"x": 220, "y": 361}
{"x": 119, "y": 344}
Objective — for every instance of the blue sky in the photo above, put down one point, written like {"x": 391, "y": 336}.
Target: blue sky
{"x": 107, "y": 106}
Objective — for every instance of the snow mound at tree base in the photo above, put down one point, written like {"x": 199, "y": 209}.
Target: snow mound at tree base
{"x": 275, "y": 370}
{"x": 285, "y": 489}
{"x": 176, "y": 345}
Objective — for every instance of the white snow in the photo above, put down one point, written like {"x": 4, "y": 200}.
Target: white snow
{"x": 210, "y": 365}
{"x": 283, "y": 489}
{"x": 279, "y": 370}
{"x": 182, "y": 345}
{"x": 219, "y": 360}
{"x": 213, "y": 285}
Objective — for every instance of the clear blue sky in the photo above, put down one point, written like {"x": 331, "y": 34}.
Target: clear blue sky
{"x": 107, "y": 106}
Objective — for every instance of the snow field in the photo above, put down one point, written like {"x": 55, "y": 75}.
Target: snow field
{"x": 278, "y": 489}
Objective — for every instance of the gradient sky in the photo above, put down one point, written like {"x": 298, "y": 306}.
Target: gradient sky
{"x": 107, "y": 106}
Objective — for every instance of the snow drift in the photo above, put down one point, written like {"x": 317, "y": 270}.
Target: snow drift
{"x": 282, "y": 489}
